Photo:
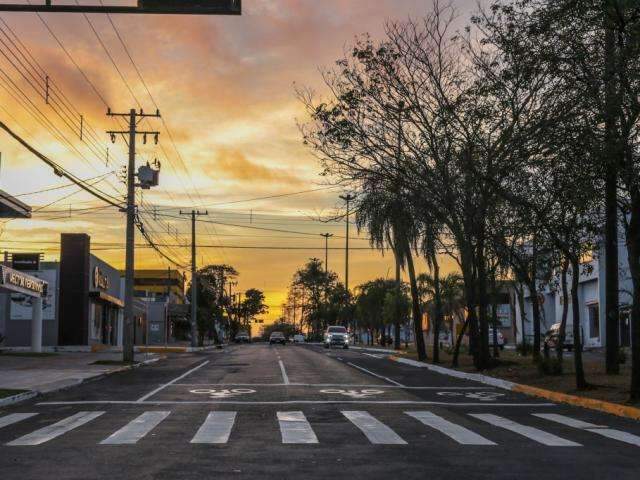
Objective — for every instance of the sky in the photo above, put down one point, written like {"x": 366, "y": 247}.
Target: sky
{"x": 225, "y": 87}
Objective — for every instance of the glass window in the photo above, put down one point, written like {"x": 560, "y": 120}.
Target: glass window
{"x": 594, "y": 320}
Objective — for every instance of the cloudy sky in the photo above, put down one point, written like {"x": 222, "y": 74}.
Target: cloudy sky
{"x": 225, "y": 89}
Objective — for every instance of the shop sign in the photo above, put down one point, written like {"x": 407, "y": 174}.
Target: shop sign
{"x": 21, "y": 282}
{"x": 100, "y": 279}
{"x": 25, "y": 261}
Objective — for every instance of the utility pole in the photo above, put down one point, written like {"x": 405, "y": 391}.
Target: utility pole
{"x": 194, "y": 276}
{"x": 348, "y": 198}
{"x": 326, "y": 236}
{"x": 128, "y": 330}
{"x": 166, "y": 326}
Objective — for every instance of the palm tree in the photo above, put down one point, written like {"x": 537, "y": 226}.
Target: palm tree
{"x": 389, "y": 220}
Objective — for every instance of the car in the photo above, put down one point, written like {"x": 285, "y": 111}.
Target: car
{"x": 552, "y": 337}
{"x": 277, "y": 337}
{"x": 336, "y": 335}
{"x": 242, "y": 337}
{"x": 501, "y": 340}
{"x": 298, "y": 338}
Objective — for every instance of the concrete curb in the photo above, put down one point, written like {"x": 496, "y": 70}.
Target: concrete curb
{"x": 21, "y": 397}
{"x": 377, "y": 350}
{"x": 590, "y": 403}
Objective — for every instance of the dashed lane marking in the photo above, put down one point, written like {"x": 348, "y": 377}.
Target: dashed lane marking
{"x": 136, "y": 429}
{"x": 55, "y": 430}
{"x": 456, "y": 432}
{"x": 590, "y": 427}
{"x": 216, "y": 428}
{"x": 295, "y": 428}
{"x": 377, "y": 432}
{"x": 532, "y": 433}
{"x": 285, "y": 378}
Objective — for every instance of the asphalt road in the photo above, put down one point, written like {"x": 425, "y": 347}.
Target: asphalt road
{"x": 259, "y": 411}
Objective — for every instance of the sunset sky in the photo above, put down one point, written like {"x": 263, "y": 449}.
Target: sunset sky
{"x": 225, "y": 88}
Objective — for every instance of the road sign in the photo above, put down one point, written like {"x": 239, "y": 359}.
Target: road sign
{"x": 176, "y": 7}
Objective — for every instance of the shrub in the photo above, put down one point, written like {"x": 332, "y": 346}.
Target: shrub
{"x": 549, "y": 366}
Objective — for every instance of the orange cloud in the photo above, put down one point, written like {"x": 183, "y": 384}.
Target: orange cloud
{"x": 236, "y": 166}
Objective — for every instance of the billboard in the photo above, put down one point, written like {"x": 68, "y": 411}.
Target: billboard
{"x": 21, "y": 304}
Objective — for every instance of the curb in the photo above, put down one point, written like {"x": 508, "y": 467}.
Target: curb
{"x": 590, "y": 403}
{"x": 378, "y": 350}
{"x": 21, "y": 397}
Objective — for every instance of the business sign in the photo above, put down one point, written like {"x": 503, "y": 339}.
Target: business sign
{"x": 21, "y": 303}
{"x": 16, "y": 281}
{"x": 100, "y": 279}
{"x": 25, "y": 261}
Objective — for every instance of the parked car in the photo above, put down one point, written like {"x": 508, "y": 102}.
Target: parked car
{"x": 552, "y": 337}
{"x": 242, "y": 337}
{"x": 501, "y": 340}
{"x": 336, "y": 335}
{"x": 277, "y": 337}
{"x": 298, "y": 338}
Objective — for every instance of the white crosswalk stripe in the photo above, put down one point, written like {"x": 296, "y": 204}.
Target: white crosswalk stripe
{"x": 458, "y": 433}
{"x": 136, "y": 429}
{"x": 52, "y": 431}
{"x": 376, "y": 431}
{"x": 590, "y": 427}
{"x": 295, "y": 428}
{"x": 216, "y": 428}
{"x": 14, "y": 418}
{"x": 532, "y": 433}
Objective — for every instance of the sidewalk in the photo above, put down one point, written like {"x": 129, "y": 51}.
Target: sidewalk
{"x": 54, "y": 371}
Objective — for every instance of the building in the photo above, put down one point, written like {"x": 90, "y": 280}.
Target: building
{"x": 84, "y": 301}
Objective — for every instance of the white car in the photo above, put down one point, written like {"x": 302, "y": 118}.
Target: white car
{"x": 298, "y": 338}
{"x": 336, "y": 335}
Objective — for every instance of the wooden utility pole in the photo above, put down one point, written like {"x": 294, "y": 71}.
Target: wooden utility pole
{"x": 194, "y": 276}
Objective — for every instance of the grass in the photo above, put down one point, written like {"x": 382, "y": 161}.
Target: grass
{"x": 27, "y": 354}
{"x": 521, "y": 369}
{"x": 8, "y": 392}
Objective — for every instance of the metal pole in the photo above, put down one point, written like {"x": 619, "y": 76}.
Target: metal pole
{"x": 166, "y": 319}
{"x": 127, "y": 348}
{"x": 347, "y": 198}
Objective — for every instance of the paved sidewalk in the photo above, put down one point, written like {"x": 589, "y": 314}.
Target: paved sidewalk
{"x": 48, "y": 373}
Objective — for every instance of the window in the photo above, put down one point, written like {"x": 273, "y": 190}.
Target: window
{"x": 594, "y": 320}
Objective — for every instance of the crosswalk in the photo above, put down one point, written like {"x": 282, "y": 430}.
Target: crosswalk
{"x": 295, "y": 428}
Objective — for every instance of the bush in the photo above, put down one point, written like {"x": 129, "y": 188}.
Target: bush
{"x": 622, "y": 356}
{"x": 523, "y": 349}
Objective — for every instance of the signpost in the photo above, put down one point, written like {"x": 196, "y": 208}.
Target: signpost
{"x": 173, "y": 7}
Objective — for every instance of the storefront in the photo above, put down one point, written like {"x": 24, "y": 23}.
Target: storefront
{"x": 90, "y": 298}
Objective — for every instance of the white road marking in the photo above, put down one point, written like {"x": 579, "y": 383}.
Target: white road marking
{"x": 216, "y": 428}
{"x": 298, "y": 402}
{"x": 590, "y": 427}
{"x": 532, "y": 433}
{"x": 376, "y": 431}
{"x": 177, "y": 379}
{"x": 295, "y": 428}
{"x": 458, "y": 433}
{"x": 285, "y": 378}
{"x": 375, "y": 374}
{"x": 55, "y": 430}
{"x": 374, "y": 355}
{"x": 14, "y": 418}
{"x": 136, "y": 429}
{"x": 325, "y": 385}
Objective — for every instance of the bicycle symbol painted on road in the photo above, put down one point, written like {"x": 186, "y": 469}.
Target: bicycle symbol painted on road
{"x": 353, "y": 393}
{"x": 222, "y": 393}
{"x": 482, "y": 396}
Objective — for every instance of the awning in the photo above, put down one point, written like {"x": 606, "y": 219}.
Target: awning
{"x": 11, "y": 207}
{"x": 105, "y": 297}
